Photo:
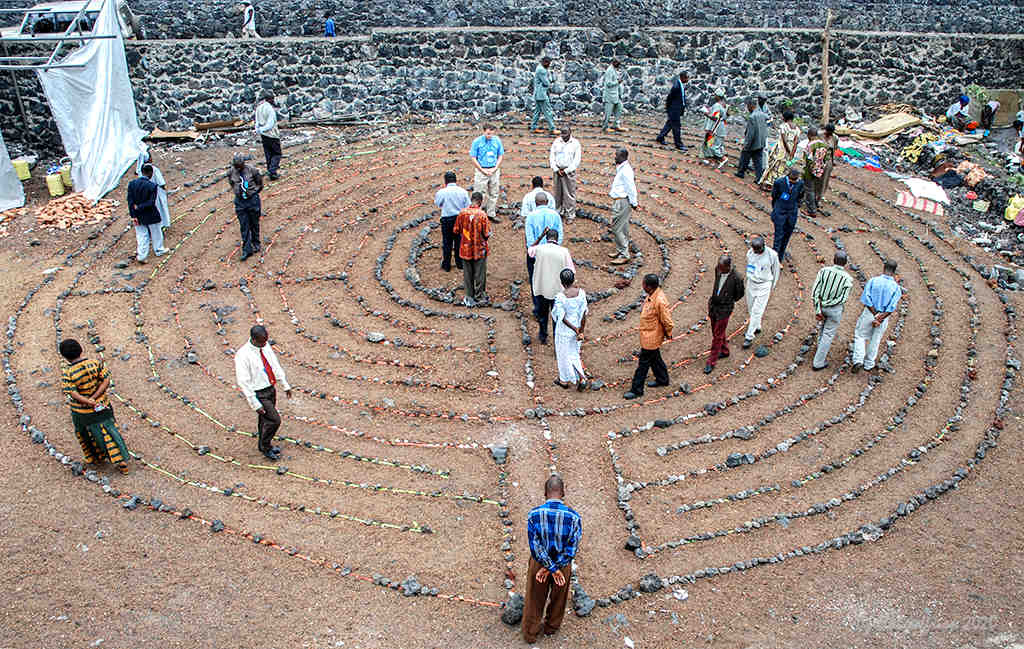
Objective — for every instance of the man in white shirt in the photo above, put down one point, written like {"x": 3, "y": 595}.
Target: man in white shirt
{"x": 550, "y": 259}
{"x": 529, "y": 203}
{"x": 565, "y": 160}
{"x": 957, "y": 114}
{"x": 257, "y": 373}
{"x": 624, "y": 201}
{"x": 762, "y": 275}
{"x": 249, "y": 20}
{"x": 266, "y": 126}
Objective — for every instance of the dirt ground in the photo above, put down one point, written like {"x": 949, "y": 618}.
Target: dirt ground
{"x": 386, "y": 468}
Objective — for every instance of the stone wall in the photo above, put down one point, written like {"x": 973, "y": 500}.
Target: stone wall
{"x": 180, "y": 19}
{"x": 477, "y": 72}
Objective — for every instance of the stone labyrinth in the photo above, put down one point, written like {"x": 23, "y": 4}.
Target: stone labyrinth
{"x": 421, "y": 431}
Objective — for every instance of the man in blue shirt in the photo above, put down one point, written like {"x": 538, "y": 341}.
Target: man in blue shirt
{"x": 542, "y": 103}
{"x": 487, "y": 153}
{"x": 880, "y": 297}
{"x": 328, "y": 25}
{"x": 452, "y": 199}
{"x": 787, "y": 192}
{"x": 553, "y": 530}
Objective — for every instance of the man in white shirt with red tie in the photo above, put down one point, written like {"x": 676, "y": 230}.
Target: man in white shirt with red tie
{"x": 257, "y": 373}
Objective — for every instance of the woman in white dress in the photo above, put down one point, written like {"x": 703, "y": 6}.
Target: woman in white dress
{"x": 570, "y": 316}
{"x": 161, "y": 192}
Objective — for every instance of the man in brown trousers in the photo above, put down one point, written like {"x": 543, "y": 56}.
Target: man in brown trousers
{"x": 553, "y": 530}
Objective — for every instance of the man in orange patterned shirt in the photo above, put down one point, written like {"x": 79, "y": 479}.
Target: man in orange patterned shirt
{"x": 655, "y": 327}
{"x": 473, "y": 228}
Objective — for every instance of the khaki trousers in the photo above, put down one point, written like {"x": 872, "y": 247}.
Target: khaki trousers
{"x": 621, "y": 210}
{"x": 564, "y": 189}
{"x": 490, "y": 187}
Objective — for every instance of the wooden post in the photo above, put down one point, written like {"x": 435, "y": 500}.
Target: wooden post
{"x": 825, "y": 95}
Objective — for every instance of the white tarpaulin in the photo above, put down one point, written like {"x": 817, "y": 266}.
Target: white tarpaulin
{"x": 11, "y": 192}
{"x": 95, "y": 110}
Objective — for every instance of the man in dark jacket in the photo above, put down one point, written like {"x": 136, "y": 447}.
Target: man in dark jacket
{"x": 753, "y": 141}
{"x": 675, "y": 104}
{"x": 247, "y": 184}
{"x": 142, "y": 193}
{"x": 787, "y": 192}
{"x": 727, "y": 291}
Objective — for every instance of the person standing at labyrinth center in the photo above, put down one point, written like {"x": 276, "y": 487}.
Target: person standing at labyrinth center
{"x": 487, "y": 153}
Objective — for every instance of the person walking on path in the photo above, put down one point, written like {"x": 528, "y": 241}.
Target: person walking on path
{"x": 880, "y": 297}
{"x": 787, "y": 192}
{"x": 570, "y": 315}
{"x": 550, "y": 260}
{"x": 142, "y": 200}
{"x": 784, "y": 151}
{"x": 246, "y": 184}
{"x": 258, "y": 373}
{"x": 84, "y": 382}
{"x": 529, "y": 203}
{"x": 675, "y": 105}
{"x": 611, "y": 96}
{"x": 829, "y": 294}
{"x": 266, "y": 126}
{"x": 727, "y": 291}
{"x": 328, "y": 25}
{"x": 815, "y": 163}
{"x": 161, "y": 188}
{"x": 249, "y": 20}
{"x": 762, "y": 276}
{"x": 553, "y": 531}
{"x": 452, "y": 199}
{"x": 541, "y": 100}
{"x": 542, "y": 219}
{"x": 624, "y": 201}
{"x": 565, "y": 157}
{"x": 655, "y": 328}
{"x": 487, "y": 153}
{"x": 753, "y": 141}
{"x": 714, "y": 129}
{"x": 474, "y": 229}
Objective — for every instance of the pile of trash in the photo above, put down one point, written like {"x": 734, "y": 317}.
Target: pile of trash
{"x": 974, "y": 179}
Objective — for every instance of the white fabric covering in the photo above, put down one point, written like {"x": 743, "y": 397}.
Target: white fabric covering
{"x": 12, "y": 194}
{"x": 95, "y": 109}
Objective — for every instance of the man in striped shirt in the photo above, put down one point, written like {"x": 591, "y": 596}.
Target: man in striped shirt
{"x": 880, "y": 297}
{"x": 830, "y": 291}
{"x": 553, "y": 530}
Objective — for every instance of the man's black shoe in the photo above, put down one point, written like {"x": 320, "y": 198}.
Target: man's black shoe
{"x": 629, "y": 396}
{"x": 708, "y": 369}
{"x": 654, "y": 384}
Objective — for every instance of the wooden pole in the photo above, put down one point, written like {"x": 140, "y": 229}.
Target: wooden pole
{"x": 825, "y": 94}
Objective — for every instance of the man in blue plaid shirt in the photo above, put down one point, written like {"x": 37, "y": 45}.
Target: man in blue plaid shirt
{"x": 554, "y": 532}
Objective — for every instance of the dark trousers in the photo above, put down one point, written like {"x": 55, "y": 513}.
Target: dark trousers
{"x": 270, "y": 420}
{"x": 474, "y": 278}
{"x": 650, "y": 359}
{"x": 755, "y": 157}
{"x": 449, "y": 242}
{"x": 719, "y": 345}
{"x": 784, "y": 226}
{"x": 542, "y": 311}
{"x": 272, "y": 152}
{"x": 672, "y": 124}
{"x": 537, "y": 595}
{"x": 530, "y": 261}
{"x": 248, "y": 213}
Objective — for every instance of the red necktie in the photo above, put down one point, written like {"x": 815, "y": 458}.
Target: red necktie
{"x": 266, "y": 368}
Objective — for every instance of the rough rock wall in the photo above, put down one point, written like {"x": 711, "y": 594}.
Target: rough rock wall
{"x": 177, "y": 19}
{"x": 481, "y": 71}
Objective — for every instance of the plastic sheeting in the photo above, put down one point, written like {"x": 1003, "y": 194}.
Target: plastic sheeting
{"x": 11, "y": 192}
{"x": 94, "y": 109}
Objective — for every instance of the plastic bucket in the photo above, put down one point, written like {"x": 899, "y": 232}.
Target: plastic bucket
{"x": 65, "y": 175}
{"x": 55, "y": 184}
{"x": 21, "y": 167}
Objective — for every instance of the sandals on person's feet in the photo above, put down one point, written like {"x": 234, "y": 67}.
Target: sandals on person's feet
{"x": 582, "y": 385}
{"x": 564, "y": 386}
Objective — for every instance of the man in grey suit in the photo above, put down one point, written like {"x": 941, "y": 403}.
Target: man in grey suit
{"x": 753, "y": 141}
{"x": 542, "y": 103}
{"x": 611, "y": 96}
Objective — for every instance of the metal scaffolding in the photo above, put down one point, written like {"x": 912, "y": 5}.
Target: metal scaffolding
{"x": 60, "y": 41}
